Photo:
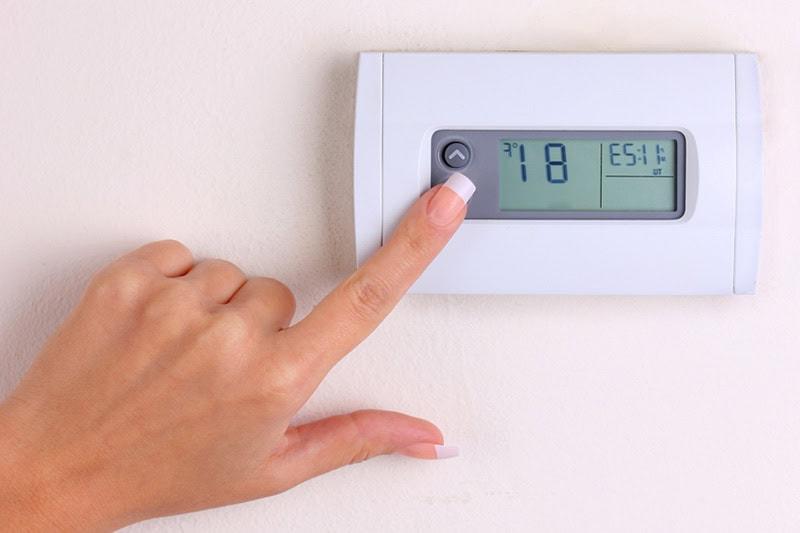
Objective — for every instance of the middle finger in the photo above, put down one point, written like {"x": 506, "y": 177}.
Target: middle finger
{"x": 217, "y": 279}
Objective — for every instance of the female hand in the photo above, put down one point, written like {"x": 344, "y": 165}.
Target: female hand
{"x": 171, "y": 386}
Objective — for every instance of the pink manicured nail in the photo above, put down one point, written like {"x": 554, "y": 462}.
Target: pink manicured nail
{"x": 424, "y": 450}
{"x": 445, "y": 206}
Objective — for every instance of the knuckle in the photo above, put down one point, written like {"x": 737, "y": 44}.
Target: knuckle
{"x": 222, "y": 346}
{"x": 232, "y": 325}
{"x": 279, "y": 295}
{"x": 224, "y": 267}
{"x": 284, "y": 380}
{"x": 362, "y": 450}
{"x": 361, "y": 454}
{"x": 174, "y": 246}
{"x": 169, "y": 247}
{"x": 368, "y": 295}
{"x": 282, "y": 292}
{"x": 121, "y": 284}
{"x": 287, "y": 374}
{"x": 231, "y": 331}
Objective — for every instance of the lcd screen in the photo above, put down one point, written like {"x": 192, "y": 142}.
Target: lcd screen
{"x": 587, "y": 175}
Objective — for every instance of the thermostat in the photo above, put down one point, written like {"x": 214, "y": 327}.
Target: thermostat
{"x": 595, "y": 173}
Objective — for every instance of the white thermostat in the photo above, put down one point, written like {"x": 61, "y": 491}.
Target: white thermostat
{"x": 595, "y": 173}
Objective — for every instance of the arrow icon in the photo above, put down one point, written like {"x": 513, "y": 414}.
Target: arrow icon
{"x": 458, "y": 153}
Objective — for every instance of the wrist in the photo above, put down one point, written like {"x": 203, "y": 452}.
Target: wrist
{"x": 36, "y": 493}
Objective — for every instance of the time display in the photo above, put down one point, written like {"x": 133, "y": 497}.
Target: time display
{"x": 587, "y": 175}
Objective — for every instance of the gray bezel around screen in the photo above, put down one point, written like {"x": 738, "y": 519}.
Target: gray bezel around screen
{"x": 483, "y": 169}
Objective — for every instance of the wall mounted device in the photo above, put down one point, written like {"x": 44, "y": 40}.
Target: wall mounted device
{"x": 595, "y": 173}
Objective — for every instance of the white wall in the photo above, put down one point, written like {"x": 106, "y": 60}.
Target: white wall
{"x": 228, "y": 125}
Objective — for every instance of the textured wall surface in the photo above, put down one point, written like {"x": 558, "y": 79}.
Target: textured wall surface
{"x": 228, "y": 125}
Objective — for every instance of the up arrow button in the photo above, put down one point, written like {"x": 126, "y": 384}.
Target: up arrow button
{"x": 456, "y": 155}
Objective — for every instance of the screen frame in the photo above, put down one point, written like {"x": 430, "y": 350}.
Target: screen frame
{"x": 484, "y": 166}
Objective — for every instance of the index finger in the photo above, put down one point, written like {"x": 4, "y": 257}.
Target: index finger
{"x": 355, "y": 308}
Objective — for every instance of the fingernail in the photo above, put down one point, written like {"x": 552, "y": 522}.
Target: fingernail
{"x": 424, "y": 450}
{"x": 445, "y": 206}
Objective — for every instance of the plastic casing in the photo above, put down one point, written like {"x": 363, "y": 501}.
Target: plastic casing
{"x": 713, "y": 99}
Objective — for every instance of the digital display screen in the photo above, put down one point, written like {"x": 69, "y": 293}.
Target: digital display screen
{"x": 587, "y": 175}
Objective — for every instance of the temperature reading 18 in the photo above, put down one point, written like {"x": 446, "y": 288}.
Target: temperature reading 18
{"x": 555, "y": 161}
{"x": 614, "y": 173}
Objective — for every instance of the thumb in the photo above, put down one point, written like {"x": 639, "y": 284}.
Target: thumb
{"x": 318, "y": 447}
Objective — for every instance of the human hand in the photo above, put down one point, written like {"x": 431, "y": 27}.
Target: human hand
{"x": 171, "y": 386}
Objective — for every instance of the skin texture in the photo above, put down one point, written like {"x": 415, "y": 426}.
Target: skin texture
{"x": 171, "y": 386}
